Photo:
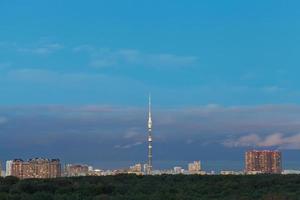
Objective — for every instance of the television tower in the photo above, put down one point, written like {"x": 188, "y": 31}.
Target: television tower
{"x": 149, "y": 164}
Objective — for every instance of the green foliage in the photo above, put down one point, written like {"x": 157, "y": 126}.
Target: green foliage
{"x": 166, "y": 187}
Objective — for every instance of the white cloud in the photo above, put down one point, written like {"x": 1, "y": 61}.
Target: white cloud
{"x": 103, "y": 63}
{"x": 132, "y": 133}
{"x": 42, "y": 49}
{"x": 244, "y": 141}
{"x": 272, "y": 89}
{"x": 273, "y": 140}
{"x": 189, "y": 141}
{"x": 128, "y": 146}
{"x": 105, "y": 57}
{"x": 81, "y": 48}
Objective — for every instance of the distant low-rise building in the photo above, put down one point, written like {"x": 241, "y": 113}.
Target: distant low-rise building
{"x": 226, "y": 172}
{"x": 76, "y": 170}
{"x": 98, "y": 172}
{"x": 135, "y": 169}
{"x": 178, "y": 170}
{"x": 291, "y": 171}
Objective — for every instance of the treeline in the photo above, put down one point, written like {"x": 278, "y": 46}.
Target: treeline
{"x": 131, "y": 187}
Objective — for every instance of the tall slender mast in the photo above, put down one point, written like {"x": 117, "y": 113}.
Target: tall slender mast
{"x": 149, "y": 166}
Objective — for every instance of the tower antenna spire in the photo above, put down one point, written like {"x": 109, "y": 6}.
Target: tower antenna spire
{"x": 149, "y": 164}
{"x": 149, "y": 106}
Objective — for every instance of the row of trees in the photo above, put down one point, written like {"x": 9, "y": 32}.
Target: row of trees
{"x": 275, "y": 187}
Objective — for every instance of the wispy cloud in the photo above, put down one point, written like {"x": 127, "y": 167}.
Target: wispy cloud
{"x": 272, "y": 89}
{"x": 70, "y": 80}
{"x": 32, "y": 75}
{"x": 41, "y": 49}
{"x": 128, "y": 146}
{"x": 132, "y": 133}
{"x": 278, "y": 140}
{"x": 4, "y": 65}
{"x": 106, "y": 57}
{"x": 37, "y": 48}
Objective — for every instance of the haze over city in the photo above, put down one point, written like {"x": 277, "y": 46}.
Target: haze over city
{"x": 75, "y": 79}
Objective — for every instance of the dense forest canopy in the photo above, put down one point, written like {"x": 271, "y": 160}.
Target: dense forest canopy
{"x": 275, "y": 187}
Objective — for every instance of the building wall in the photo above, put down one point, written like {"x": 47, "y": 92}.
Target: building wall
{"x": 55, "y": 169}
{"x": 17, "y": 168}
{"x": 36, "y": 168}
{"x": 263, "y": 161}
{"x": 8, "y": 168}
{"x": 194, "y": 167}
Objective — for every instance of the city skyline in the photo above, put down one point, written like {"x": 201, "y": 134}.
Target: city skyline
{"x": 75, "y": 77}
{"x": 255, "y": 162}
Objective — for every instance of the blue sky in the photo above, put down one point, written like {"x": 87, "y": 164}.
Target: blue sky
{"x": 234, "y": 57}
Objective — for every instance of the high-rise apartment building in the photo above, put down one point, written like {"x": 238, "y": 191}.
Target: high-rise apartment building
{"x": 8, "y": 168}
{"x": 35, "y": 168}
{"x": 264, "y": 161}
{"x": 194, "y": 167}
